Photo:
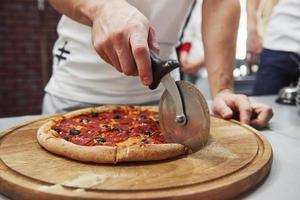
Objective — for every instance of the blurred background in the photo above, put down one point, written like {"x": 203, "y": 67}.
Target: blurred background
{"x": 27, "y": 34}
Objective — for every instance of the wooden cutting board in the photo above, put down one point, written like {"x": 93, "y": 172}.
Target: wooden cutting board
{"x": 236, "y": 158}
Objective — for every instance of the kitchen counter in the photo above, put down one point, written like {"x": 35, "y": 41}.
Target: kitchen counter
{"x": 284, "y": 135}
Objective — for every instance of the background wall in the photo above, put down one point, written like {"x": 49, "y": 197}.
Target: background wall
{"x": 26, "y": 39}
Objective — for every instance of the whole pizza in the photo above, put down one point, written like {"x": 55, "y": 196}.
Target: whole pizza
{"x": 108, "y": 134}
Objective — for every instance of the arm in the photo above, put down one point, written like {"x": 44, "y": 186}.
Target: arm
{"x": 219, "y": 30}
{"x": 78, "y": 10}
{"x": 253, "y": 15}
{"x": 220, "y": 23}
{"x": 121, "y": 35}
{"x": 254, "y": 39}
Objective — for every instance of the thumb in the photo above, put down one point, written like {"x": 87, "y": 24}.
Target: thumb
{"x": 152, "y": 41}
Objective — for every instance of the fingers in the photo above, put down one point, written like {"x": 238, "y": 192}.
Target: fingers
{"x": 124, "y": 55}
{"x": 264, "y": 114}
{"x": 244, "y": 108}
{"x": 124, "y": 39}
{"x": 141, "y": 54}
{"x": 114, "y": 58}
{"x": 221, "y": 108}
{"x": 251, "y": 57}
{"x": 234, "y": 102}
{"x": 108, "y": 54}
{"x": 152, "y": 41}
{"x": 104, "y": 56}
{"x": 98, "y": 45}
{"x": 227, "y": 104}
{"x": 128, "y": 54}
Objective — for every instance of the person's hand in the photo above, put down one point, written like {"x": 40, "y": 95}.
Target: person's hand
{"x": 254, "y": 46}
{"x": 190, "y": 66}
{"x": 237, "y": 106}
{"x": 193, "y": 66}
{"x": 122, "y": 37}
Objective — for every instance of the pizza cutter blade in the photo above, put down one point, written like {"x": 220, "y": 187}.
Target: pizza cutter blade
{"x": 183, "y": 112}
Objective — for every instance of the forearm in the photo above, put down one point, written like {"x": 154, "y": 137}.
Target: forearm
{"x": 82, "y": 11}
{"x": 219, "y": 30}
{"x": 253, "y": 15}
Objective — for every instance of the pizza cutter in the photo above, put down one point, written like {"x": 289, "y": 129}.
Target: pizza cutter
{"x": 183, "y": 112}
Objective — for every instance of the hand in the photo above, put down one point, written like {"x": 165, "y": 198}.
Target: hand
{"x": 254, "y": 46}
{"x": 229, "y": 105}
{"x": 122, "y": 37}
{"x": 190, "y": 67}
{"x": 193, "y": 66}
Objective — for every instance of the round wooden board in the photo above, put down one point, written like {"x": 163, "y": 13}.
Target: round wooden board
{"x": 235, "y": 159}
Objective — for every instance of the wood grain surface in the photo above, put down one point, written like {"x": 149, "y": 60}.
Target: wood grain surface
{"x": 235, "y": 159}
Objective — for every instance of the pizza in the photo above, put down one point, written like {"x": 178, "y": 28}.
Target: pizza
{"x": 108, "y": 134}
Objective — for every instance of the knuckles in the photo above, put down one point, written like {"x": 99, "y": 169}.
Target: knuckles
{"x": 99, "y": 47}
{"x": 242, "y": 97}
{"x": 133, "y": 26}
{"x": 116, "y": 37}
{"x": 140, "y": 50}
{"x": 113, "y": 39}
{"x": 269, "y": 110}
{"x": 129, "y": 71}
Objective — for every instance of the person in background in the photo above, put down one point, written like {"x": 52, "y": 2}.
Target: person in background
{"x": 190, "y": 66}
{"x": 102, "y": 54}
{"x": 281, "y": 46}
{"x": 191, "y": 52}
{"x": 258, "y": 16}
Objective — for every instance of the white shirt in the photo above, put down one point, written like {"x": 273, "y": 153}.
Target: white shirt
{"x": 192, "y": 32}
{"x": 283, "y": 31}
{"x": 80, "y": 74}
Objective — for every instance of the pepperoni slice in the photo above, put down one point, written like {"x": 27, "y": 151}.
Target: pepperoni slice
{"x": 125, "y": 121}
{"x": 125, "y": 127}
{"x": 81, "y": 140}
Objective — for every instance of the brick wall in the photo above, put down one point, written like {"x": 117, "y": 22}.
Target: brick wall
{"x": 26, "y": 40}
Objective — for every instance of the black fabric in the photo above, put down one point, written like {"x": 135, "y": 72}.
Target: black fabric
{"x": 277, "y": 69}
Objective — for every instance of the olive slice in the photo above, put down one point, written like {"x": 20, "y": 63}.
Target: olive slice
{"x": 74, "y": 132}
{"x": 94, "y": 114}
{"x": 100, "y": 139}
{"x": 147, "y": 133}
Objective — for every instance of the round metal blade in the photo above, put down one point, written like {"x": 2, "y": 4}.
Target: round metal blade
{"x": 195, "y": 132}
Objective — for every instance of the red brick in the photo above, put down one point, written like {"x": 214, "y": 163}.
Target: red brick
{"x": 21, "y": 90}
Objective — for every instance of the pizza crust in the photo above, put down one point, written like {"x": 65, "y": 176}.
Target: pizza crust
{"x": 104, "y": 154}
{"x": 98, "y": 154}
{"x": 149, "y": 152}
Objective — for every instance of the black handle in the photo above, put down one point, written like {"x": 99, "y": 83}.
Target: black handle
{"x": 160, "y": 68}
